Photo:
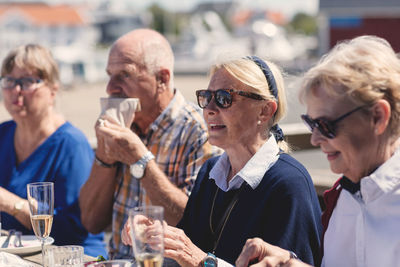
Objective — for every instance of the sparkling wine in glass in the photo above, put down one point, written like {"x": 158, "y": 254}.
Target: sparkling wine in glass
{"x": 147, "y": 234}
{"x": 41, "y": 207}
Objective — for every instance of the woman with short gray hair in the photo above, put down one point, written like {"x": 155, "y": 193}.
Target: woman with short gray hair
{"x": 353, "y": 107}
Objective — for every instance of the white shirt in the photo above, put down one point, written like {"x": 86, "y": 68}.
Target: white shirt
{"x": 364, "y": 229}
{"x": 252, "y": 172}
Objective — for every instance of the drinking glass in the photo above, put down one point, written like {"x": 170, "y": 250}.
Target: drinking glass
{"x": 63, "y": 256}
{"x": 111, "y": 263}
{"x": 41, "y": 208}
{"x": 147, "y": 234}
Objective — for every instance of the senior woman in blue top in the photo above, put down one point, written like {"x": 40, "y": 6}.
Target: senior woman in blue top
{"x": 254, "y": 188}
{"x": 39, "y": 145}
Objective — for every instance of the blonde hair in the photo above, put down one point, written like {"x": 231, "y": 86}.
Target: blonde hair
{"x": 364, "y": 69}
{"x": 35, "y": 58}
{"x": 249, "y": 73}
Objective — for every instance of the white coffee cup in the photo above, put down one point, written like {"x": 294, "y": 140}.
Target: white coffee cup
{"x": 121, "y": 110}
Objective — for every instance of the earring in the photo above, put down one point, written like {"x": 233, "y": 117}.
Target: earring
{"x": 258, "y": 122}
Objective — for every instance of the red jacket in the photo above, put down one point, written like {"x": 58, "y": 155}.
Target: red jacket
{"x": 330, "y": 198}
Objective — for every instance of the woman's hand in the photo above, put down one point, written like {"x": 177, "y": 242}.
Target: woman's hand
{"x": 263, "y": 254}
{"x": 295, "y": 263}
{"x": 126, "y": 234}
{"x": 146, "y": 229}
{"x": 177, "y": 245}
{"x": 180, "y": 248}
{"x": 272, "y": 261}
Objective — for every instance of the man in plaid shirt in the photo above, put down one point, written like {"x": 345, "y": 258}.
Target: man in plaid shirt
{"x": 168, "y": 136}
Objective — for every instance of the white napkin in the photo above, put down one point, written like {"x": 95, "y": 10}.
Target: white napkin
{"x": 11, "y": 260}
{"x": 121, "y": 110}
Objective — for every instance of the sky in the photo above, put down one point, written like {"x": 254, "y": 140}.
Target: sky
{"x": 288, "y": 7}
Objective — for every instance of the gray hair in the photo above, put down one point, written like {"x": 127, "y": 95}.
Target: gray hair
{"x": 364, "y": 69}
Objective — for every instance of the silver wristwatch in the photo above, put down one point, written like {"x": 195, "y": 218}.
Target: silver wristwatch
{"x": 137, "y": 168}
{"x": 209, "y": 261}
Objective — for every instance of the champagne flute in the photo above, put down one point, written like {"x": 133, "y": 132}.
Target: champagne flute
{"x": 41, "y": 207}
{"x": 147, "y": 234}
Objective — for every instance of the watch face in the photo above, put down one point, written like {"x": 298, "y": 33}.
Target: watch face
{"x": 210, "y": 262}
{"x": 137, "y": 170}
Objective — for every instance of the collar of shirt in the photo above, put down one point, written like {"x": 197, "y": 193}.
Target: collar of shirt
{"x": 383, "y": 180}
{"x": 170, "y": 112}
{"x": 252, "y": 173}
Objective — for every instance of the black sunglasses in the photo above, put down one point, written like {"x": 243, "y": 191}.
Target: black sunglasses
{"x": 223, "y": 97}
{"x": 326, "y": 127}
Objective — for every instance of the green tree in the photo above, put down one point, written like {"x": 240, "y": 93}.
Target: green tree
{"x": 166, "y": 22}
{"x": 304, "y": 23}
{"x": 159, "y": 18}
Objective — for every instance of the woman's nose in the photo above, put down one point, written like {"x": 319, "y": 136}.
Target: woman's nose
{"x": 17, "y": 87}
{"x": 212, "y": 106}
{"x": 316, "y": 137}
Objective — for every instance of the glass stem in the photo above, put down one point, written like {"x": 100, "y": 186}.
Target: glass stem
{"x": 44, "y": 264}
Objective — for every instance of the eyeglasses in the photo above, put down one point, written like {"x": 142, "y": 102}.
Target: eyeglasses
{"x": 223, "y": 97}
{"x": 326, "y": 127}
{"x": 26, "y": 83}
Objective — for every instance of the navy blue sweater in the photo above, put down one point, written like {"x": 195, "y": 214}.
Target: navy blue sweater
{"x": 283, "y": 210}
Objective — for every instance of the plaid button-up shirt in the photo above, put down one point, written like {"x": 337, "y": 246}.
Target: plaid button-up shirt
{"x": 178, "y": 139}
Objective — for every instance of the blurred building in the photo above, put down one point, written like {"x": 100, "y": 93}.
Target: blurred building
{"x": 345, "y": 19}
{"x": 66, "y": 30}
{"x": 115, "y": 18}
{"x": 221, "y": 28}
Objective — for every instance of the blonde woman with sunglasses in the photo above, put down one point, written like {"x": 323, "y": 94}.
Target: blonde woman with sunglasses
{"x": 353, "y": 111}
{"x": 255, "y": 188}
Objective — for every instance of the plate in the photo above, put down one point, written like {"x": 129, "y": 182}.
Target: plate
{"x": 30, "y": 244}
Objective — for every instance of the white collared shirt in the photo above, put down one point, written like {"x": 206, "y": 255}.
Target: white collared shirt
{"x": 252, "y": 172}
{"x": 364, "y": 229}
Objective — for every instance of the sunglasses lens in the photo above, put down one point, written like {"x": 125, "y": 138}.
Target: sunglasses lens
{"x": 324, "y": 127}
{"x": 223, "y": 98}
{"x": 308, "y": 122}
{"x": 203, "y": 98}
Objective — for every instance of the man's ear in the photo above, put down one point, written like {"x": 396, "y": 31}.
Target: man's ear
{"x": 381, "y": 112}
{"x": 268, "y": 110}
{"x": 163, "y": 77}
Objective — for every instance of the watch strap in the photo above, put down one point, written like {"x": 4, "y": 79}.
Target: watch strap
{"x": 146, "y": 157}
